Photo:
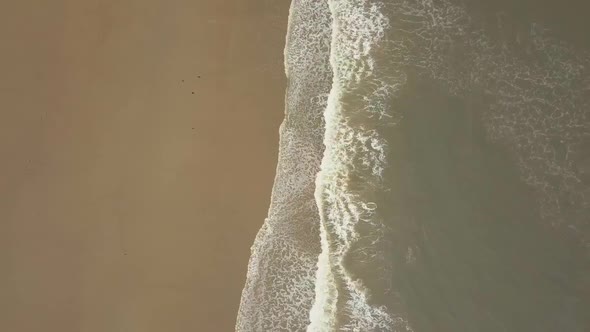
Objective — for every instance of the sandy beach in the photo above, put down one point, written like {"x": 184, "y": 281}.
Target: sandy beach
{"x": 433, "y": 169}
{"x": 139, "y": 143}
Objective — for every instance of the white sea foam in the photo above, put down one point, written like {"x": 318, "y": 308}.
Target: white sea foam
{"x": 281, "y": 273}
{"x": 351, "y": 174}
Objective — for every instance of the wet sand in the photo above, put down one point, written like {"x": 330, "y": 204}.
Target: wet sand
{"x": 138, "y": 144}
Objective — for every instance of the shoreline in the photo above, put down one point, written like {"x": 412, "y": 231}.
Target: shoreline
{"x": 141, "y": 144}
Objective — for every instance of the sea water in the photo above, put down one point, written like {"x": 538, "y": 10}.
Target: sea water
{"x": 433, "y": 175}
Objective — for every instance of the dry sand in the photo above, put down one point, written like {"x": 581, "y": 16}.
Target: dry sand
{"x": 128, "y": 202}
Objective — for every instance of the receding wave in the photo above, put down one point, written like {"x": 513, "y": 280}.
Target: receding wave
{"x": 278, "y": 294}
